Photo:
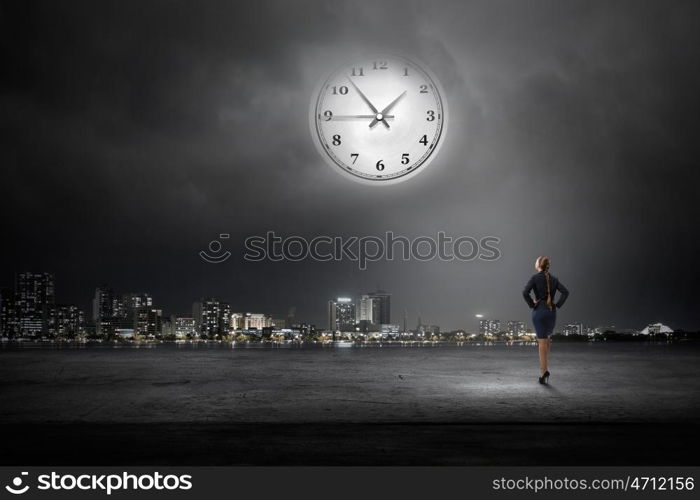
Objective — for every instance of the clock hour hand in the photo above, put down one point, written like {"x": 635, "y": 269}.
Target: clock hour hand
{"x": 367, "y": 101}
{"x": 386, "y": 110}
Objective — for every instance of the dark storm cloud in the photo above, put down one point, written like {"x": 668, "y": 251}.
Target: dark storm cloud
{"x": 134, "y": 133}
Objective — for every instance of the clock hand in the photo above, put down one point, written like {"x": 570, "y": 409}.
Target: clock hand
{"x": 364, "y": 98}
{"x": 387, "y": 109}
{"x": 358, "y": 117}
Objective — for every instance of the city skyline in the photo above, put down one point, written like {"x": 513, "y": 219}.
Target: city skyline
{"x": 31, "y": 308}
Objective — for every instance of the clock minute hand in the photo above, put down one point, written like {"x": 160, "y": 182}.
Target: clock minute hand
{"x": 358, "y": 117}
{"x": 364, "y": 97}
{"x": 387, "y": 109}
{"x": 367, "y": 101}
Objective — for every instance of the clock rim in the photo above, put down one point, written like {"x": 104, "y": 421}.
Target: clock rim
{"x": 313, "y": 121}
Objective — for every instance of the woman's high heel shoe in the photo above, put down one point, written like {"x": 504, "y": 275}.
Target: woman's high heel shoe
{"x": 544, "y": 379}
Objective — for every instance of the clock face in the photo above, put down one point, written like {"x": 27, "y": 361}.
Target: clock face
{"x": 379, "y": 119}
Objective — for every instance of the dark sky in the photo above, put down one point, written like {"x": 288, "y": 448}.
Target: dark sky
{"x": 133, "y": 133}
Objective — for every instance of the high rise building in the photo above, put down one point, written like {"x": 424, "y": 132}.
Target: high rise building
{"x": 67, "y": 320}
{"x": 258, "y": 320}
{"x": 148, "y": 321}
{"x": 489, "y": 326}
{"x": 373, "y": 310}
{"x": 34, "y": 295}
{"x": 365, "y": 313}
{"x": 237, "y": 321}
{"x": 102, "y": 303}
{"x": 131, "y": 308}
{"x": 120, "y": 311}
{"x": 381, "y": 307}
{"x": 103, "y": 310}
{"x": 573, "y": 329}
{"x": 515, "y": 328}
{"x": 121, "y": 307}
{"x": 246, "y": 321}
{"x": 212, "y": 317}
{"x": 291, "y": 319}
{"x": 136, "y": 300}
{"x": 9, "y": 322}
{"x": 341, "y": 314}
{"x": 30, "y": 309}
{"x": 124, "y": 305}
{"x": 184, "y": 327}
{"x": 167, "y": 328}
{"x": 365, "y": 309}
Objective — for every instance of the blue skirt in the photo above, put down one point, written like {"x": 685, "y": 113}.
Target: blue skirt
{"x": 543, "y": 319}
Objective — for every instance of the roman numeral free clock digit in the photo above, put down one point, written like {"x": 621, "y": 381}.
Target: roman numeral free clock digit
{"x": 379, "y": 120}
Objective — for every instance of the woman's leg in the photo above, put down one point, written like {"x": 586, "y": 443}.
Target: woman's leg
{"x": 551, "y": 331}
{"x": 543, "y": 347}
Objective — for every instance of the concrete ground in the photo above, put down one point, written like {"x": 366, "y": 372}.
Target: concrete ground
{"x": 619, "y": 403}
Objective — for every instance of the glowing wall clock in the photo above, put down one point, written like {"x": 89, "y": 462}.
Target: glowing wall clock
{"x": 379, "y": 119}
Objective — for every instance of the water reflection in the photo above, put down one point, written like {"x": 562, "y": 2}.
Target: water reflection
{"x": 286, "y": 344}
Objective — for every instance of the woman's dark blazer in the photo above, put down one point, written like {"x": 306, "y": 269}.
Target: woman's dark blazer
{"x": 538, "y": 283}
